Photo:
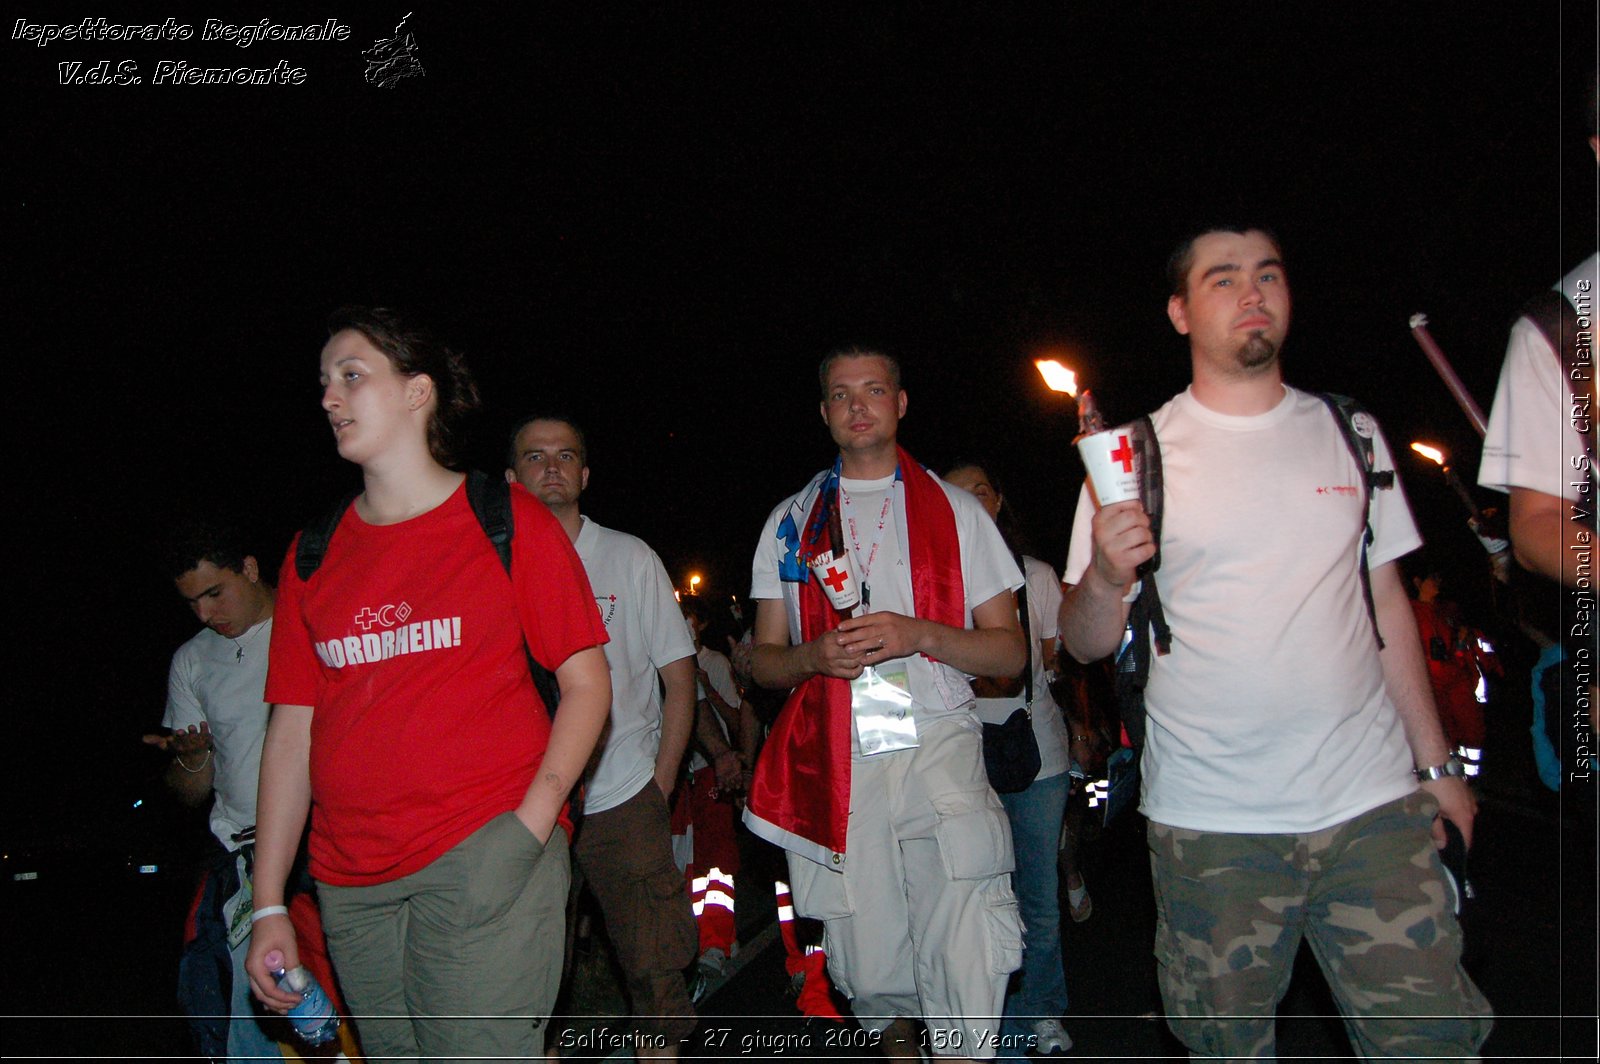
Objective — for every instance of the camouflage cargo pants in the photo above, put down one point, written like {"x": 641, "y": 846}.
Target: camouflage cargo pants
{"x": 1369, "y": 893}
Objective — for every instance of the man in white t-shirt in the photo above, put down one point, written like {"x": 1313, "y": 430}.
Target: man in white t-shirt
{"x": 1539, "y": 449}
{"x": 1284, "y": 749}
{"x": 1534, "y": 449}
{"x": 873, "y": 777}
{"x": 623, "y": 845}
{"x": 216, "y": 720}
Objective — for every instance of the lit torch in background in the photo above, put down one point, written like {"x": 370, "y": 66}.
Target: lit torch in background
{"x": 1058, "y": 378}
{"x": 1482, "y": 525}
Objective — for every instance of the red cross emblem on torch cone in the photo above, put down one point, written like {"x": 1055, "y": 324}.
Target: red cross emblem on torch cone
{"x": 838, "y": 580}
{"x": 1123, "y": 455}
{"x": 1112, "y": 463}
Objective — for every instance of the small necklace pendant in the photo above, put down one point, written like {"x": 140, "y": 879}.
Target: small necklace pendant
{"x": 238, "y": 655}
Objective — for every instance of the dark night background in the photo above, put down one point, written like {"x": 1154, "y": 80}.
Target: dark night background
{"x": 659, "y": 216}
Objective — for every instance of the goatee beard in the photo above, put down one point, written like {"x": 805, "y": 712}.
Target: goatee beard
{"x": 1257, "y": 353}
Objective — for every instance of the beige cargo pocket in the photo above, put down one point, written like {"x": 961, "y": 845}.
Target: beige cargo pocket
{"x": 1004, "y": 923}
{"x": 974, "y": 835}
{"x": 818, "y": 892}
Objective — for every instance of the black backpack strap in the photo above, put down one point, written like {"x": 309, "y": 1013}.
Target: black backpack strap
{"x": 1147, "y": 631}
{"x": 1151, "y": 494}
{"x": 490, "y": 499}
{"x": 1027, "y": 636}
{"x": 312, "y": 546}
{"x": 1358, "y": 429}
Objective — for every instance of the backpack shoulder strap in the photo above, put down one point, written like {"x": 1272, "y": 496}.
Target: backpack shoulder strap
{"x": 1027, "y": 635}
{"x": 490, "y": 499}
{"x": 1147, "y": 632}
{"x": 1554, "y": 316}
{"x": 312, "y": 546}
{"x": 1151, "y": 492}
{"x": 1358, "y": 429}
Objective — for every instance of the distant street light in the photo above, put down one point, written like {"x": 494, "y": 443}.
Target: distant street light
{"x": 694, "y": 583}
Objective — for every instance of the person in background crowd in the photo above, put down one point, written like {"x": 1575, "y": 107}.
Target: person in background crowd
{"x": 215, "y": 721}
{"x": 1456, "y": 669}
{"x": 1034, "y": 1007}
{"x": 726, "y": 734}
{"x": 624, "y": 844}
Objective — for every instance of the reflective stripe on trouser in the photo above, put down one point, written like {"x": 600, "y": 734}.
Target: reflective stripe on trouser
{"x": 1471, "y": 758}
{"x": 711, "y": 896}
{"x": 1368, "y": 893}
{"x": 714, "y": 861}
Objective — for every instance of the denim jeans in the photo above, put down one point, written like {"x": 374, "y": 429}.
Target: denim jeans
{"x": 1036, "y": 832}
{"x": 212, "y": 986}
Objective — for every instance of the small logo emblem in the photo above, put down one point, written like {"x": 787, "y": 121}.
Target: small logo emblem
{"x": 391, "y": 59}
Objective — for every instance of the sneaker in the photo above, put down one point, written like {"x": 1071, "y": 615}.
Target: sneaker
{"x": 708, "y": 974}
{"x": 1050, "y": 1038}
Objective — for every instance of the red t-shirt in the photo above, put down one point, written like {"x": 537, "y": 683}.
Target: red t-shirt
{"x": 408, "y": 641}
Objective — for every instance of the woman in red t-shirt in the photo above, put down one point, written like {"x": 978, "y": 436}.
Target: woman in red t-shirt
{"x": 405, "y": 722}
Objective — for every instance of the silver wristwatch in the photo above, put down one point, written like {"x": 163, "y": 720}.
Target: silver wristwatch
{"x": 1451, "y": 767}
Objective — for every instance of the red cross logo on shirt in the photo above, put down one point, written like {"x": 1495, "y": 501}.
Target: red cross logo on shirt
{"x": 1123, "y": 454}
{"x": 366, "y": 618}
{"x": 835, "y": 579}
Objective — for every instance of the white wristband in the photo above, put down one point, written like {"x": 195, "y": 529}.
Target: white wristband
{"x": 268, "y": 910}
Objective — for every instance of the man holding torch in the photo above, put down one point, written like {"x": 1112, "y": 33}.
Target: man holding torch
{"x": 879, "y": 588}
{"x": 1294, "y": 769}
{"x": 1540, "y": 449}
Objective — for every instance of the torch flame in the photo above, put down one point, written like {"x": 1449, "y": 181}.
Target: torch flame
{"x": 1057, "y": 377}
{"x": 1432, "y": 454}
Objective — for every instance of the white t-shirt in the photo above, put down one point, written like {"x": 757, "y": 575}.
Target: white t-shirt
{"x": 647, "y": 633}
{"x": 211, "y": 681}
{"x": 1533, "y": 441}
{"x": 1049, "y": 728}
{"x": 1270, "y": 715}
{"x": 987, "y": 569}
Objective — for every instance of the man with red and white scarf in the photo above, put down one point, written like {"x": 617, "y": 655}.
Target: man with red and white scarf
{"x": 873, "y": 777}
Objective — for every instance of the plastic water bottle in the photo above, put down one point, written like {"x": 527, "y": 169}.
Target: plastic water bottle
{"x": 314, "y": 1019}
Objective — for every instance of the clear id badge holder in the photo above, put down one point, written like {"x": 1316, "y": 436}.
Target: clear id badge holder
{"x": 880, "y": 702}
